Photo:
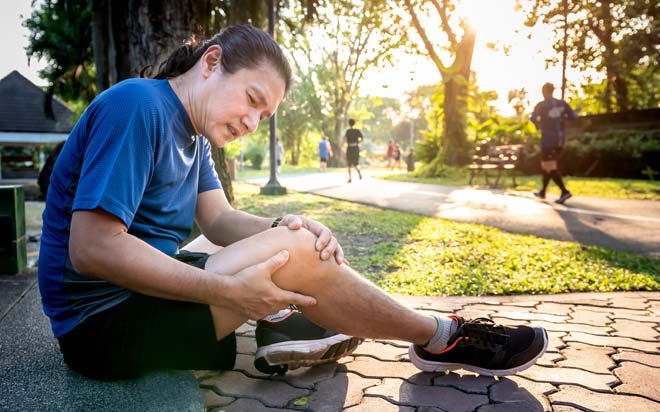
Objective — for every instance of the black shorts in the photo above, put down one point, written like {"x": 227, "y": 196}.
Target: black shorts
{"x": 550, "y": 153}
{"x": 353, "y": 155}
{"x": 324, "y": 159}
{"x": 144, "y": 333}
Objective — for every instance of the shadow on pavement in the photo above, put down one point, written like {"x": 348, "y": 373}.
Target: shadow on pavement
{"x": 584, "y": 233}
{"x": 475, "y": 393}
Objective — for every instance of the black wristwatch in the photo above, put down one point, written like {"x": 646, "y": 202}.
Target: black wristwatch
{"x": 277, "y": 221}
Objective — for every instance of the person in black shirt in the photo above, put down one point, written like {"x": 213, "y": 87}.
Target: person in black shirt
{"x": 549, "y": 116}
{"x": 352, "y": 138}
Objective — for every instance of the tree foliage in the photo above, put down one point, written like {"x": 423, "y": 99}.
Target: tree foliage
{"x": 458, "y": 41}
{"x": 60, "y": 33}
{"x": 348, "y": 37}
{"x": 620, "y": 38}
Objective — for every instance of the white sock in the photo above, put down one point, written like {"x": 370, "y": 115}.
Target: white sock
{"x": 446, "y": 328}
{"x": 278, "y": 316}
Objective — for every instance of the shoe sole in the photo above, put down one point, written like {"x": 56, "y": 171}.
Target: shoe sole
{"x": 430, "y": 366}
{"x": 295, "y": 354}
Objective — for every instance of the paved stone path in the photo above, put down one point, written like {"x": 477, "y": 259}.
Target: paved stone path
{"x": 603, "y": 355}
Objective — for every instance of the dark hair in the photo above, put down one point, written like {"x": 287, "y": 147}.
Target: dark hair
{"x": 548, "y": 88}
{"x": 351, "y": 122}
{"x": 243, "y": 46}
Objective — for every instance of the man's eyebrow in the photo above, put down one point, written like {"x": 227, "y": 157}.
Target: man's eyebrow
{"x": 261, "y": 99}
{"x": 259, "y": 95}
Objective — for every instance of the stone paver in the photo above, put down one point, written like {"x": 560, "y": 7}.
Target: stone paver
{"x": 345, "y": 390}
{"x": 638, "y": 330}
{"x": 381, "y": 351}
{"x": 575, "y": 398}
{"x": 613, "y": 342}
{"x": 589, "y": 317}
{"x": 639, "y": 357}
{"x": 525, "y": 393}
{"x": 587, "y": 357}
{"x": 373, "y": 404}
{"x": 638, "y": 379}
{"x": 602, "y": 356}
{"x": 593, "y": 381}
{"x": 445, "y": 398}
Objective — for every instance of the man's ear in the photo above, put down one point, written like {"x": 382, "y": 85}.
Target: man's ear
{"x": 211, "y": 60}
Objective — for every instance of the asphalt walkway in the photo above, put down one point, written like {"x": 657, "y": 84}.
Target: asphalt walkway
{"x": 627, "y": 225}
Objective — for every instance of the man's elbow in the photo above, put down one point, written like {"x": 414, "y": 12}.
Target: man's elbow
{"x": 82, "y": 256}
{"x": 87, "y": 253}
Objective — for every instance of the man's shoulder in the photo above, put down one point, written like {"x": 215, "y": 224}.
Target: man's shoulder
{"x": 134, "y": 93}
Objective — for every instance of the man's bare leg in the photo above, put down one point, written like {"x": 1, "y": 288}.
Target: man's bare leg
{"x": 350, "y": 305}
{"x": 347, "y": 303}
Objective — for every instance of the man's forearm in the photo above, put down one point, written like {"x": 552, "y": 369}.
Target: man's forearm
{"x": 236, "y": 225}
{"x": 131, "y": 263}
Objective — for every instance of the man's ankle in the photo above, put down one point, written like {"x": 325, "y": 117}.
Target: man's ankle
{"x": 446, "y": 327}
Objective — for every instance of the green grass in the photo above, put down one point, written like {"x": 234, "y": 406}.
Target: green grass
{"x": 411, "y": 254}
{"x": 248, "y": 172}
{"x": 580, "y": 186}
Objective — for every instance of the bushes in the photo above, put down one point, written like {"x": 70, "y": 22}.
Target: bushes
{"x": 612, "y": 153}
{"x": 255, "y": 153}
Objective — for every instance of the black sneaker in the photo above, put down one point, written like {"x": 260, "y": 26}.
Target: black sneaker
{"x": 483, "y": 347}
{"x": 540, "y": 194}
{"x": 564, "y": 197}
{"x": 294, "y": 341}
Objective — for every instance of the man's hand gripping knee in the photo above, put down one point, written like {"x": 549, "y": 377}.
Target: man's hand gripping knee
{"x": 256, "y": 296}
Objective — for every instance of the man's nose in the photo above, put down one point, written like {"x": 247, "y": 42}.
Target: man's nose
{"x": 251, "y": 121}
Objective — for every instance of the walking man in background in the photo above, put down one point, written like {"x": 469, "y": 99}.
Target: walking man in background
{"x": 325, "y": 152}
{"x": 390, "y": 154}
{"x": 279, "y": 154}
{"x": 549, "y": 116}
{"x": 352, "y": 139}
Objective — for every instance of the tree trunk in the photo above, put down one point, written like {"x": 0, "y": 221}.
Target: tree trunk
{"x": 100, "y": 32}
{"x": 621, "y": 92}
{"x": 455, "y": 141}
{"x": 223, "y": 173}
{"x": 145, "y": 32}
{"x": 456, "y": 80}
{"x": 339, "y": 157}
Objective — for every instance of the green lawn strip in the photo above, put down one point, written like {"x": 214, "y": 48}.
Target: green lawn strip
{"x": 248, "y": 172}
{"x": 411, "y": 254}
{"x": 580, "y": 186}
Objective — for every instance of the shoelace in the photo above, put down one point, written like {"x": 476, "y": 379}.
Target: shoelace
{"x": 482, "y": 333}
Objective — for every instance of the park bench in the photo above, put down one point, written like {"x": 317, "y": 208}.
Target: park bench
{"x": 488, "y": 157}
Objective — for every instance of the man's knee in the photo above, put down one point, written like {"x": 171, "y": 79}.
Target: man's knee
{"x": 304, "y": 260}
{"x": 299, "y": 243}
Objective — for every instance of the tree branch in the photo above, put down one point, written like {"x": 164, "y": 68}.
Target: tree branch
{"x": 442, "y": 11}
{"x": 422, "y": 33}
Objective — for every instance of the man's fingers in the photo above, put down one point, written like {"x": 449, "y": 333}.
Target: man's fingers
{"x": 324, "y": 238}
{"x": 298, "y": 299}
{"x": 329, "y": 249}
{"x": 293, "y": 222}
{"x": 276, "y": 261}
{"x": 339, "y": 255}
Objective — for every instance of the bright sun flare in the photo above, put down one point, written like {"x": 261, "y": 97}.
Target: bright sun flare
{"x": 497, "y": 24}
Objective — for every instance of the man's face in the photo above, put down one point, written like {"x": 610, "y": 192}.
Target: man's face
{"x": 234, "y": 104}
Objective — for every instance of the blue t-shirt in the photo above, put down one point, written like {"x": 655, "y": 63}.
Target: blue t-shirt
{"x": 549, "y": 116}
{"x": 134, "y": 154}
{"x": 323, "y": 149}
